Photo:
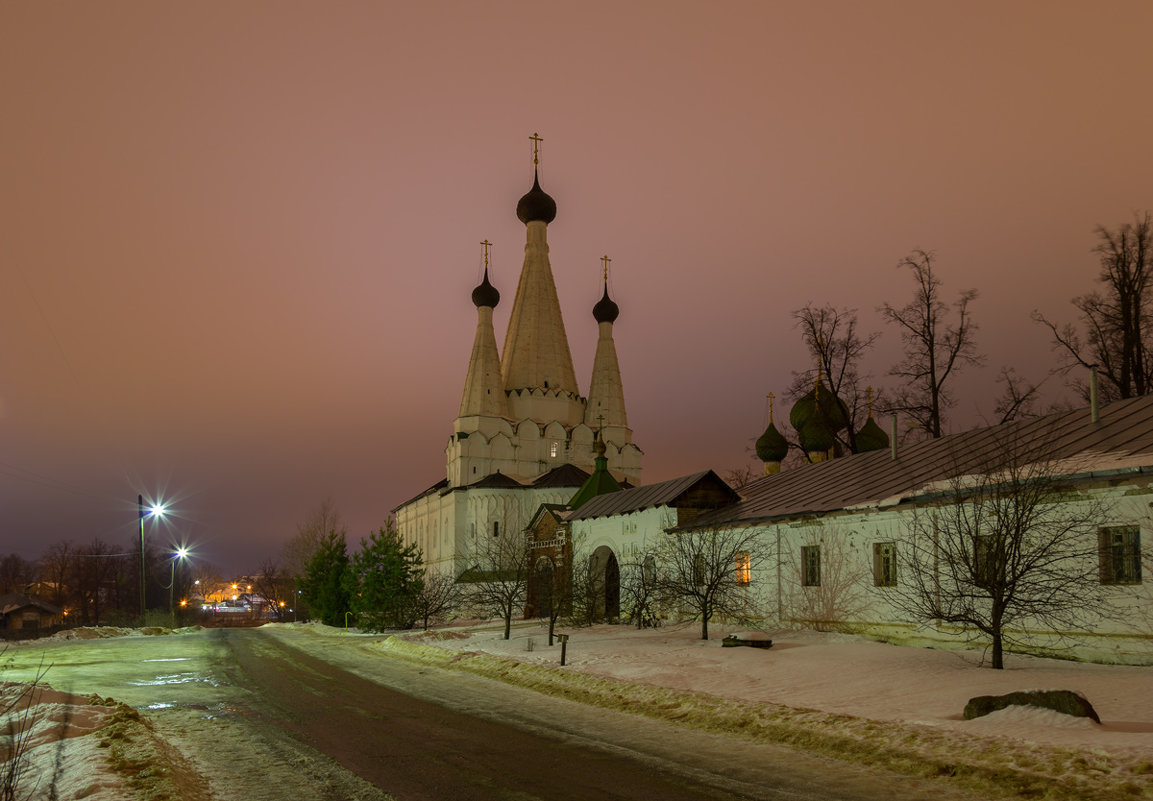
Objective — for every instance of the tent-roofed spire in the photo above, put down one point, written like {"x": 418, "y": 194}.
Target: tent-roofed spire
{"x": 606, "y": 402}
{"x": 536, "y": 352}
{"x": 484, "y": 383}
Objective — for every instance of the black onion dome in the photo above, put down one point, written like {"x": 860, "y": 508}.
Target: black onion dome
{"x": 871, "y": 437}
{"x": 536, "y": 206}
{"x": 606, "y": 311}
{"x": 486, "y": 294}
{"x": 772, "y": 445}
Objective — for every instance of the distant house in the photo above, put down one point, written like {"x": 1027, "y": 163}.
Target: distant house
{"x": 25, "y": 613}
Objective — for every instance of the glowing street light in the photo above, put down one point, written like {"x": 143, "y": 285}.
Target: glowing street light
{"x": 181, "y": 553}
{"x": 154, "y": 509}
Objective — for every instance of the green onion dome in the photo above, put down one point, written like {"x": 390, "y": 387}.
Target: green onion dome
{"x": 815, "y": 436}
{"x": 772, "y": 445}
{"x": 871, "y": 437}
{"x": 819, "y": 401}
{"x": 536, "y": 205}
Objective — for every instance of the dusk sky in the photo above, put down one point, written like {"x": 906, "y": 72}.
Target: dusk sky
{"x": 238, "y": 240}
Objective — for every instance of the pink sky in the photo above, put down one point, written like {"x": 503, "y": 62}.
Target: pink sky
{"x": 237, "y": 241}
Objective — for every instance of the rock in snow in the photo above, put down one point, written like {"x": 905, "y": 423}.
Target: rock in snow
{"x": 1065, "y": 701}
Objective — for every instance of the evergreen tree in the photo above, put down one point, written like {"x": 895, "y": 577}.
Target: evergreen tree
{"x": 324, "y": 585}
{"x": 386, "y": 580}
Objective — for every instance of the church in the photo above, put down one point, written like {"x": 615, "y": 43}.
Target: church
{"x": 524, "y": 435}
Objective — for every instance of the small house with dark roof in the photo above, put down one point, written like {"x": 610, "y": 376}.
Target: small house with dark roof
{"x": 25, "y": 613}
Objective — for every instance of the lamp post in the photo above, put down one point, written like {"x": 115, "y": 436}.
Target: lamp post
{"x": 152, "y": 510}
{"x": 181, "y": 553}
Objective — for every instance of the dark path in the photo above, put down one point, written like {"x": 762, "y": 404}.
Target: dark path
{"x": 418, "y": 750}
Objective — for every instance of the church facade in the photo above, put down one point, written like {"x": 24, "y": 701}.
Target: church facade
{"x": 524, "y": 433}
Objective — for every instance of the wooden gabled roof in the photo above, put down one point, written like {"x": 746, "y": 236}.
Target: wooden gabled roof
{"x": 1069, "y": 443}
{"x": 673, "y": 492}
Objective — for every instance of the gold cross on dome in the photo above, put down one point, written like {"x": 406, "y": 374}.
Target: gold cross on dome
{"x": 606, "y": 261}
{"x": 486, "y": 245}
{"x": 770, "y": 396}
{"x": 536, "y": 140}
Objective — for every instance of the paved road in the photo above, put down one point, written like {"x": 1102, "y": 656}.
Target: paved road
{"x": 480, "y": 739}
{"x": 268, "y": 714}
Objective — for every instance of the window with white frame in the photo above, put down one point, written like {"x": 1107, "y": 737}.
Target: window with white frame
{"x": 884, "y": 564}
{"x": 811, "y": 565}
{"x": 1119, "y": 553}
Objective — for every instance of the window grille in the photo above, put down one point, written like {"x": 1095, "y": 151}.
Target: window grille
{"x": 884, "y": 564}
{"x": 1119, "y": 552}
{"x": 811, "y": 566}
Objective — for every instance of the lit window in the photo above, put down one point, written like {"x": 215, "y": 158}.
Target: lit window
{"x": 744, "y": 567}
{"x": 884, "y": 564}
{"x": 1119, "y": 554}
{"x": 811, "y": 565}
{"x": 552, "y": 451}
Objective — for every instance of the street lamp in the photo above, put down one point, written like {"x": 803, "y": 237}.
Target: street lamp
{"x": 181, "y": 553}
{"x": 155, "y": 509}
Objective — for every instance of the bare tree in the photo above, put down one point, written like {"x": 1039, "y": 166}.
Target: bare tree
{"x": 1115, "y": 333}
{"x": 830, "y": 581}
{"x": 16, "y": 573}
{"x": 837, "y": 348}
{"x": 642, "y": 596}
{"x": 497, "y": 579}
{"x": 439, "y": 596}
{"x": 742, "y": 475}
{"x": 274, "y": 586}
{"x": 55, "y": 570}
{"x": 709, "y": 572}
{"x": 935, "y": 350}
{"x": 1018, "y": 397}
{"x": 323, "y": 520}
{"x": 1009, "y": 547}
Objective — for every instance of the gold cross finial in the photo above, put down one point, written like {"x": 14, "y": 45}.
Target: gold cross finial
{"x": 486, "y": 245}
{"x": 536, "y": 140}
{"x": 869, "y": 395}
{"x": 770, "y": 396}
{"x": 606, "y": 261}
{"x": 600, "y": 421}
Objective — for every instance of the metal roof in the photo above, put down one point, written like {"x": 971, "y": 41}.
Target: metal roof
{"x": 663, "y": 493}
{"x": 567, "y": 475}
{"x": 1069, "y": 442}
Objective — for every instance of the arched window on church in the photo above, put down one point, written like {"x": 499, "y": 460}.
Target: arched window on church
{"x": 553, "y": 448}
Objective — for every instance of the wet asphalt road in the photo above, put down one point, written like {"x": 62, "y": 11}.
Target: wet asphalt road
{"x": 480, "y": 739}
{"x": 271, "y": 713}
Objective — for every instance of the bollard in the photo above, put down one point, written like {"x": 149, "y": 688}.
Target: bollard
{"x": 563, "y": 647}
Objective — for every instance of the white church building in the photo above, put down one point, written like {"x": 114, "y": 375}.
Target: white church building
{"x": 524, "y": 433}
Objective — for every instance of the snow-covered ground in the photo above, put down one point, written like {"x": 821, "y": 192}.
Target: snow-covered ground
{"x": 829, "y": 692}
{"x": 891, "y": 706}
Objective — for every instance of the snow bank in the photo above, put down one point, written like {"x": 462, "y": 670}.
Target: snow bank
{"x": 839, "y": 695}
{"x": 72, "y": 747}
